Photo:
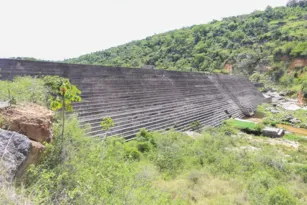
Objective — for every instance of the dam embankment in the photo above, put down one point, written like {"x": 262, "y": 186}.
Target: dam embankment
{"x": 145, "y": 98}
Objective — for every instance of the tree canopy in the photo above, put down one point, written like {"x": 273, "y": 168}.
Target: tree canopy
{"x": 246, "y": 42}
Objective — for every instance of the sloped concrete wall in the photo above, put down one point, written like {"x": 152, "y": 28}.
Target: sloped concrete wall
{"x": 144, "y": 98}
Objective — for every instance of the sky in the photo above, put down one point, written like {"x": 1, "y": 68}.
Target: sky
{"x": 62, "y": 29}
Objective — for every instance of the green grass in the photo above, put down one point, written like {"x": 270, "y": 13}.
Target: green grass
{"x": 280, "y": 118}
{"x": 218, "y": 167}
{"x": 24, "y": 89}
{"x": 295, "y": 137}
{"x": 242, "y": 125}
{"x": 169, "y": 168}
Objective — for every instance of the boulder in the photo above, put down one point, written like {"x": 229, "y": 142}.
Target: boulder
{"x": 283, "y": 94}
{"x": 291, "y": 119}
{"x": 14, "y": 149}
{"x": 287, "y": 93}
{"x": 295, "y": 121}
{"x": 290, "y": 106}
{"x": 273, "y": 132}
{"x": 37, "y": 150}
{"x": 31, "y": 120}
{"x": 288, "y": 118}
{"x": 272, "y": 110}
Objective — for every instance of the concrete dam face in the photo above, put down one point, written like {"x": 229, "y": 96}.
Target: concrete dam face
{"x": 145, "y": 98}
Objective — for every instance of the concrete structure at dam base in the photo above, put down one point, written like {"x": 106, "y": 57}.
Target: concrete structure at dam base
{"x": 144, "y": 98}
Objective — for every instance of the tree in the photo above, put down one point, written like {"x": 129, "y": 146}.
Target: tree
{"x": 62, "y": 94}
{"x": 294, "y": 3}
{"x": 106, "y": 124}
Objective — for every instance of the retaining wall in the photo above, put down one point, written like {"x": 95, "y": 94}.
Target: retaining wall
{"x": 145, "y": 98}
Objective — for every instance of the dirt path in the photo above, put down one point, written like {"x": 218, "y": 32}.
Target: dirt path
{"x": 299, "y": 131}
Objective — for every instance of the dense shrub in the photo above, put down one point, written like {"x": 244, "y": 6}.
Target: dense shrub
{"x": 287, "y": 80}
{"x": 92, "y": 172}
{"x": 245, "y": 42}
{"x": 144, "y": 147}
{"x": 144, "y": 135}
{"x": 303, "y": 172}
{"x": 24, "y": 89}
{"x": 221, "y": 166}
{"x": 259, "y": 185}
{"x": 281, "y": 196}
{"x": 130, "y": 171}
{"x": 132, "y": 153}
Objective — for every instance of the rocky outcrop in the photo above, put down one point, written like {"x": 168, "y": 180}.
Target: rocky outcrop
{"x": 273, "y": 132}
{"x": 298, "y": 63}
{"x": 36, "y": 151}
{"x": 31, "y": 120}
{"x": 14, "y": 150}
{"x": 281, "y": 101}
{"x": 301, "y": 98}
{"x": 31, "y": 125}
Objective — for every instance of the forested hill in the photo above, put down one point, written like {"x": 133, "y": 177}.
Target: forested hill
{"x": 242, "y": 43}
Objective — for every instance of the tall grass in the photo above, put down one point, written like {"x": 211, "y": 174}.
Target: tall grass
{"x": 221, "y": 166}
{"x": 9, "y": 194}
{"x": 24, "y": 89}
{"x": 169, "y": 168}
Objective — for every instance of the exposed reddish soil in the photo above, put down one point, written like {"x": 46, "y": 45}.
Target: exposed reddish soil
{"x": 301, "y": 99}
{"x": 31, "y": 120}
{"x": 263, "y": 68}
{"x": 228, "y": 67}
{"x": 284, "y": 58}
{"x": 298, "y": 62}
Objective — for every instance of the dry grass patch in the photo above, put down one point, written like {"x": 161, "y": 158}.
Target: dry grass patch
{"x": 9, "y": 195}
{"x": 197, "y": 187}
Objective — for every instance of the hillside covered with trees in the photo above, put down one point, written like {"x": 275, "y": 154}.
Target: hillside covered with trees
{"x": 233, "y": 163}
{"x": 261, "y": 40}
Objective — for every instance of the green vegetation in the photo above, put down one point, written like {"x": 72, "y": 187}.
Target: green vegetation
{"x": 289, "y": 82}
{"x": 221, "y": 166}
{"x": 61, "y": 93}
{"x": 107, "y": 123}
{"x": 266, "y": 45}
{"x": 54, "y": 91}
{"x": 247, "y": 42}
{"x": 242, "y": 124}
{"x": 248, "y": 127}
{"x": 24, "y": 89}
{"x": 47, "y": 91}
{"x": 169, "y": 168}
{"x": 282, "y": 117}
{"x": 297, "y": 138}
